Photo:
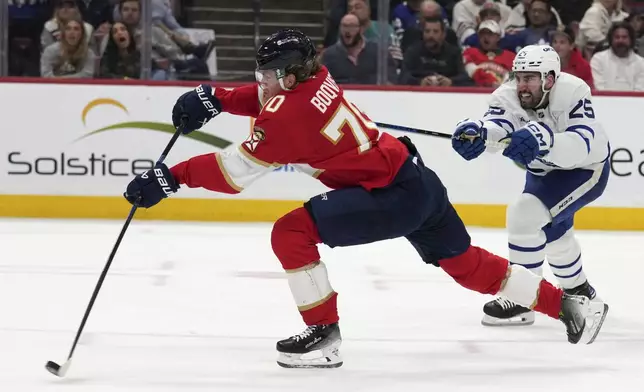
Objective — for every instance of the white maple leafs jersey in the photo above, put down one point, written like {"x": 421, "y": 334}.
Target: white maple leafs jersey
{"x": 578, "y": 139}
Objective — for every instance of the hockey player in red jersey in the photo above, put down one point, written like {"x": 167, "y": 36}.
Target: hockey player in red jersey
{"x": 489, "y": 65}
{"x": 382, "y": 190}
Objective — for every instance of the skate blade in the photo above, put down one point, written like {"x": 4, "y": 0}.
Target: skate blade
{"x": 326, "y": 358}
{"x": 597, "y": 315}
{"x": 520, "y": 320}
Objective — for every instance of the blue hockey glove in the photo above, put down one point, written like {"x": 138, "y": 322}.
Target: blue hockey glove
{"x": 528, "y": 143}
{"x": 469, "y": 139}
{"x": 149, "y": 188}
{"x": 197, "y": 106}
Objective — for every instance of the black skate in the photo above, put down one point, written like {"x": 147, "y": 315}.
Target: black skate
{"x": 298, "y": 351}
{"x": 503, "y": 312}
{"x": 582, "y": 317}
{"x": 584, "y": 289}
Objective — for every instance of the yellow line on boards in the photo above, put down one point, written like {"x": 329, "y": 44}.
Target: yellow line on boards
{"x": 243, "y": 210}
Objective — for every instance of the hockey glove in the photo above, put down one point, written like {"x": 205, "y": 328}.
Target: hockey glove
{"x": 149, "y": 188}
{"x": 469, "y": 139}
{"x": 528, "y": 143}
{"x": 197, "y": 106}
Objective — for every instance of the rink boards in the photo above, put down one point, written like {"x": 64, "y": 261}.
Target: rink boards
{"x": 69, "y": 150}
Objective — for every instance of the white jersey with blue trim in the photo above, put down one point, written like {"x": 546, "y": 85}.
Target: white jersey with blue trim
{"x": 578, "y": 139}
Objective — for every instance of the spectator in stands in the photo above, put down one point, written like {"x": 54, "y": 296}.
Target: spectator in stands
{"x": 519, "y": 16}
{"x": 541, "y": 24}
{"x": 63, "y": 11}
{"x": 434, "y": 62}
{"x": 464, "y": 20}
{"x": 370, "y": 29}
{"x": 491, "y": 11}
{"x": 166, "y": 54}
{"x": 406, "y": 14}
{"x": 429, "y": 9}
{"x": 70, "y": 57}
{"x": 572, "y": 61}
{"x": 26, "y": 19}
{"x": 163, "y": 19}
{"x": 121, "y": 59}
{"x": 489, "y": 65}
{"x": 597, "y": 21}
{"x": 98, "y": 13}
{"x": 619, "y": 68}
{"x": 571, "y": 11}
{"x": 353, "y": 59}
{"x": 636, "y": 19}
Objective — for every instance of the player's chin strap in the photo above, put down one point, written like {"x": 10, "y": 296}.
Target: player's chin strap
{"x": 544, "y": 79}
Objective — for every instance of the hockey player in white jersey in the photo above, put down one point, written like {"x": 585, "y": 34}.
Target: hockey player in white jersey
{"x": 547, "y": 119}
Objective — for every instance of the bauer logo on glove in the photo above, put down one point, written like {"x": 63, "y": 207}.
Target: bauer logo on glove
{"x": 149, "y": 188}
{"x": 195, "y": 108}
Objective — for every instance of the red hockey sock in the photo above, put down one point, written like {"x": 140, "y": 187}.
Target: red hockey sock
{"x": 294, "y": 240}
{"x": 477, "y": 269}
{"x": 549, "y": 299}
{"x": 324, "y": 313}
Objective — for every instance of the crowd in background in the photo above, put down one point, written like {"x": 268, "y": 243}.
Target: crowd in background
{"x": 99, "y": 39}
{"x": 473, "y": 42}
{"x": 439, "y": 43}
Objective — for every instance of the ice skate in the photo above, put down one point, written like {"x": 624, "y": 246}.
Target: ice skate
{"x": 583, "y": 318}
{"x": 503, "y": 312}
{"x": 316, "y": 347}
{"x": 584, "y": 289}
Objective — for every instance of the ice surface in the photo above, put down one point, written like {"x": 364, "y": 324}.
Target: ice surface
{"x": 199, "y": 307}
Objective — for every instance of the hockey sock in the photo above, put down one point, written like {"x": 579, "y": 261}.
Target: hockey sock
{"x": 564, "y": 257}
{"x": 294, "y": 240}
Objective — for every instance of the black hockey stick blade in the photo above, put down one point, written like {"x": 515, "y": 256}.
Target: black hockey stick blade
{"x": 56, "y": 369}
{"x": 414, "y": 130}
{"x": 53, "y": 367}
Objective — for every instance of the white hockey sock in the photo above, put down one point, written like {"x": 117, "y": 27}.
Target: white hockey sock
{"x": 310, "y": 285}
{"x": 564, "y": 257}
{"x": 526, "y": 240}
{"x": 521, "y": 286}
{"x": 528, "y": 251}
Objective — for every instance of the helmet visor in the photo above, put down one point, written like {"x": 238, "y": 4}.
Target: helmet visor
{"x": 268, "y": 77}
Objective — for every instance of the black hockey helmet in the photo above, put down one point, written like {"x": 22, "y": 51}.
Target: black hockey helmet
{"x": 285, "y": 48}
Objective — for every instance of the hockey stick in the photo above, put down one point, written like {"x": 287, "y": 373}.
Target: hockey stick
{"x": 55, "y": 368}
{"x": 414, "y": 130}
{"x": 401, "y": 128}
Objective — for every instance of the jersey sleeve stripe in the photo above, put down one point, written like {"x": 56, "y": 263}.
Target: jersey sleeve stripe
{"x": 226, "y": 175}
{"x": 547, "y": 128}
{"x": 252, "y": 158}
{"x": 584, "y": 127}
{"x": 501, "y": 121}
{"x": 583, "y": 137}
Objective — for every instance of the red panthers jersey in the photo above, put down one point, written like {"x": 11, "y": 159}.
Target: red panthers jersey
{"x": 487, "y": 68}
{"x": 313, "y": 127}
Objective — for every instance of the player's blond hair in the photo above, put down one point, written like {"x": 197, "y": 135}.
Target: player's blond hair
{"x": 303, "y": 72}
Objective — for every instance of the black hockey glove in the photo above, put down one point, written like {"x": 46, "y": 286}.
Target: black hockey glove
{"x": 197, "y": 107}
{"x": 149, "y": 188}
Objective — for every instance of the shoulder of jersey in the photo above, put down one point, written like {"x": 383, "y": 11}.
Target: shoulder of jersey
{"x": 505, "y": 94}
{"x": 568, "y": 90}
